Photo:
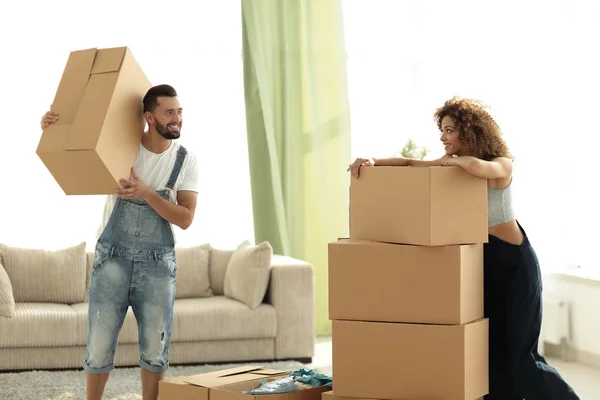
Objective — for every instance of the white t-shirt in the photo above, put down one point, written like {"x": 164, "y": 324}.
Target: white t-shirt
{"x": 155, "y": 170}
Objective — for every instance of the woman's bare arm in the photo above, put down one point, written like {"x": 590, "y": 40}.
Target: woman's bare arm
{"x": 499, "y": 167}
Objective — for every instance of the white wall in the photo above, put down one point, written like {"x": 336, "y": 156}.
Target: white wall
{"x": 583, "y": 297}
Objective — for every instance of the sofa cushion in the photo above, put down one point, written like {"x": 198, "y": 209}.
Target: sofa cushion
{"x": 7, "y": 300}
{"x": 219, "y": 260}
{"x": 46, "y": 276}
{"x": 221, "y": 318}
{"x": 247, "y": 277}
{"x": 43, "y": 325}
{"x": 192, "y": 272}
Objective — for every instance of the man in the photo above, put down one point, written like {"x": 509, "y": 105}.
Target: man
{"x": 134, "y": 262}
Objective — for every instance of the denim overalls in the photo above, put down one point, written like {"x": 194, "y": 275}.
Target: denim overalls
{"x": 134, "y": 266}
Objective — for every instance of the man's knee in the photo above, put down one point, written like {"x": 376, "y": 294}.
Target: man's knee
{"x": 101, "y": 344}
{"x": 99, "y": 358}
{"x": 154, "y": 350}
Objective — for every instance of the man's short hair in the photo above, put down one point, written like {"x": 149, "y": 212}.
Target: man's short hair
{"x": 151, "y": 97}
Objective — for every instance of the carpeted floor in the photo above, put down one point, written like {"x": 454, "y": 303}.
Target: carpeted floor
{"x": 124, "y": 383}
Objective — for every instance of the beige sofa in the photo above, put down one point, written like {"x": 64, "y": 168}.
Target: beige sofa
{"x": 237, "y": 305}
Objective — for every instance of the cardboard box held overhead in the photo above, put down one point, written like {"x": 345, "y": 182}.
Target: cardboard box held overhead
{"x": 375, "y": 281}
{"x": 382, "y": 360}
{"x": 429, "y": 206}
{"x": 95, "y": 141}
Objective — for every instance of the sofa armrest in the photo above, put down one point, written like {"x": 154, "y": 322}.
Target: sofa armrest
{"x": 291, "y": 292}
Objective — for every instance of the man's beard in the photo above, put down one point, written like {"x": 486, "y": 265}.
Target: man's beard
{"x": 164, "y": 131}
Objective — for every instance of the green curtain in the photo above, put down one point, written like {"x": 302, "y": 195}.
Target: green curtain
{"x": 298, "y": 125}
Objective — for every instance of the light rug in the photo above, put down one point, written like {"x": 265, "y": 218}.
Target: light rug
{"x": 123, "y": 384}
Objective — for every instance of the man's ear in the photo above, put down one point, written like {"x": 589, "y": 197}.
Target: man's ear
{"x": 149, "y": 117}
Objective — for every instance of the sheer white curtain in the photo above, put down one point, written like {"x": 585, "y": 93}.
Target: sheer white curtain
{"x": 195, "y": 46}
{"x": 534, "y": 62}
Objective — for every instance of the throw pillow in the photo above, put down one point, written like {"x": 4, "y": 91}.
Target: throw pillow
{"x": 46, "y": 276}
{"x": 248, "y": 273}
{"x": 192, "y": 272}
{"x": 219, "y": 260}
{"x": 7, "y": 301}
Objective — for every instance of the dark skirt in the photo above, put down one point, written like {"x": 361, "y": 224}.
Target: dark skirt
{"x": 513, "y": 304}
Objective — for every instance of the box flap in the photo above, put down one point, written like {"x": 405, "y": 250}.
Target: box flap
{"x": 108, "y": 60}
{"x": 233, "y": 371}
{"x": 268, "y": 372}
{"x": 72, "y": 85}
{"x": 229, "y": 376}
{"x": 214, "y": 378}
{"x": 91, "y": 114}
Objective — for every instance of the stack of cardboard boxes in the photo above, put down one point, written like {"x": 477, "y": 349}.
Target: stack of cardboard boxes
{"x": 406, "y": 289}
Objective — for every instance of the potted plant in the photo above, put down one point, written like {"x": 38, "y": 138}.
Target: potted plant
{"x": 412, "y": 150}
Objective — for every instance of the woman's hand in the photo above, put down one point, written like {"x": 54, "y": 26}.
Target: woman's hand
{"x": 354, "y": 168}
{"x": 447, "y": 160}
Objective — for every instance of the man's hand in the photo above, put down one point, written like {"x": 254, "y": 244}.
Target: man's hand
{"x": 134, "y": 189}
{"x": 48, "y": 118}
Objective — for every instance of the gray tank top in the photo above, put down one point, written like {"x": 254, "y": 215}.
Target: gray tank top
{"x": 500, "y": 209}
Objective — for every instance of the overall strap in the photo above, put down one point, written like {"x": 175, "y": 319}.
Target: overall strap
{"x": 181, "y": 153}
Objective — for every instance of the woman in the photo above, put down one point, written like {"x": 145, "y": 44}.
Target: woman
{"x": 512, "y": 280}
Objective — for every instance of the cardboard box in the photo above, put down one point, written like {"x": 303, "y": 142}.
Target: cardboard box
{"x": 234, "y": 392}
{"x": 197, "y": 386}
{"x": 430, "y": 206}
{"x": 95, "y": 141}
{"x": 331, "y": 396}
{"x": 410, "y": 361}
{"x": 228, "y": 384}
{"x": 374, "y": 281}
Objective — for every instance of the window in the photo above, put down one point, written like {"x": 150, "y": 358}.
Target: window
{"x": 532, "y": 62}
{"x": 196, "y": 48}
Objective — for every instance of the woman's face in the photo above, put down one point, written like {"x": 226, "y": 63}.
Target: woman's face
{"x": 450, "y": 137}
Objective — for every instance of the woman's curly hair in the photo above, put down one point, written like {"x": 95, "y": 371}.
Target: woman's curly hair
{"x": 478, "y": 130}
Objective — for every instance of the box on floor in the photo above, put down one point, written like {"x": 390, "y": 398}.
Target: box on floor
{"x": 228, "y": 384}
{"x": 384, "y": 360}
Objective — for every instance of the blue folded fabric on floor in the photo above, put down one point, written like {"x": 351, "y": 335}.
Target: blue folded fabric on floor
{"x": 299, "y": 379}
